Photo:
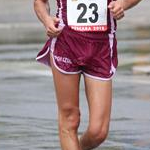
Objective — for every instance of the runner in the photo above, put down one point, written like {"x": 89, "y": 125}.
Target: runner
{"x": 82, "y": 41}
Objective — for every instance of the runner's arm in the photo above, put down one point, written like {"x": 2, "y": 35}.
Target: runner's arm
{"x": 127, "y": 4}
{"x": 42, "y": 10}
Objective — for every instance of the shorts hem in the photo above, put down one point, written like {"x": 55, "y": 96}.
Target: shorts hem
{"x": 98, "y": 78}
{"x": 41, "y": 56}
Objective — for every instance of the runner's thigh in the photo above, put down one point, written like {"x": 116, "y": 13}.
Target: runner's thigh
{"x": 67, "y": 89}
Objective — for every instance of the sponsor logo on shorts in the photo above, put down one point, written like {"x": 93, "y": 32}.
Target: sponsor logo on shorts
{"x": 62, "y": 59}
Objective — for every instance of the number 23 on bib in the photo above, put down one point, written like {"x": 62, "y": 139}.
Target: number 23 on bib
{"x": 87, "y": 15}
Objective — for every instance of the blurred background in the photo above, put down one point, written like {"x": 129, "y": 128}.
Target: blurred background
{"x": 28, "y": 111}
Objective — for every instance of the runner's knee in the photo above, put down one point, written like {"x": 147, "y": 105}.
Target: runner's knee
{"x": 98, "y": 134}
{"x": 70, "y": 117}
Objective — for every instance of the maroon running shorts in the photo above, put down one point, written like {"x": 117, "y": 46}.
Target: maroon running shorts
{"x": 94, "y": 55}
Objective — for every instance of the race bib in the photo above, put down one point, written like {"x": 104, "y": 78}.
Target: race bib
{"x": 87, "y": 15}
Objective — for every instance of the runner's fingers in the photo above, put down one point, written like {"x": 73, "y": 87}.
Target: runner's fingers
{"x": 52, "y": 28}
{"x": 119, "y": 16}
{"x": 116, "y": 9}
{"x": 55, "y": 30}
{"x": 120, "y": 12}
{"x": 51, "y": 33}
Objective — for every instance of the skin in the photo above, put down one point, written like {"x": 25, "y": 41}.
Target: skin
{"x": 42, "y": 10}
{"x": 118, "y": 7}
{"x": 98, "y": 93}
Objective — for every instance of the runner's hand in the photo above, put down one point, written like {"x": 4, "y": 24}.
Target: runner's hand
{"x": 116, "y": 8}
{"x": 51, "y": 29}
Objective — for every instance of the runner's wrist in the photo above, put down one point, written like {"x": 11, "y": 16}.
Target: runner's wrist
{"x": 122, "y": 4}
{"x": 127, "y": 4}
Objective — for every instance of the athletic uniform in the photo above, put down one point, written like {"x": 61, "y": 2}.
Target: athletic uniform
{"x": 87, "y": 43}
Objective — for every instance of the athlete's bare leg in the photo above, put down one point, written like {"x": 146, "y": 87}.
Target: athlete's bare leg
{"x": 99, "y": 96}
{"x": 67, "y": 92}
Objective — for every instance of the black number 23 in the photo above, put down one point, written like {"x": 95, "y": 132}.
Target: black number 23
{"x": 81, "y": 18}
